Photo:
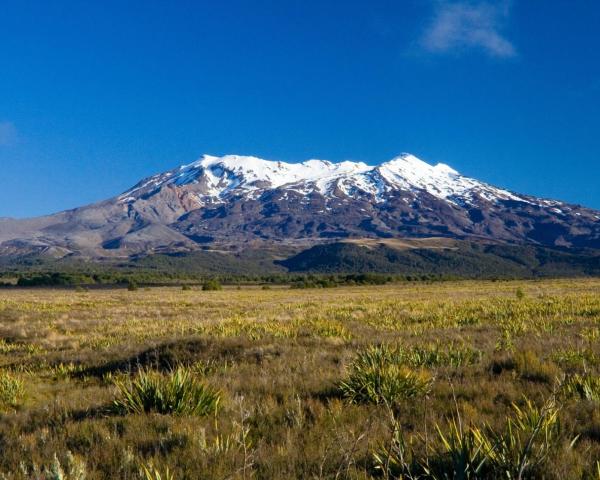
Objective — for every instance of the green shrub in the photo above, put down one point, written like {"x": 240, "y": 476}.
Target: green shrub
{"x": 212, "y": 285}
{"x": 585, "y": 387}
{"x": 11, "y": 389}
{"x": 132, "y": 286}
{"x": 397, "y": 458}
{"x": 464, "y": 451}
{"x": 176, "y": 393}
{"x": 529, "y": 439}
{"x": 150, "y": 472}
{"x": 531, "y": 434}
{"x": 375, "y": 378}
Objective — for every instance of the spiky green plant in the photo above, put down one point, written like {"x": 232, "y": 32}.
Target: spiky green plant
{"x": 150, "y": 472}
{"x": 176, "y": 393}
{"x": 375, "y": 378}
{"x": 585, "y": 387}
{"x": 464, "y": 451}
{"x": 530, "y": 436}
{"x": 11, "y": 389}
{"x": 397, "y": 458}
{"x": 462, "y": 455}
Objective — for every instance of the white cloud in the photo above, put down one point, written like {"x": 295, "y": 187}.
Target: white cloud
{"x": 8, "y": 134}
{"x": 462, "y": 25}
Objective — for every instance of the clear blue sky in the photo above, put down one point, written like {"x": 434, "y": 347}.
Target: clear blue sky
{"x": 95, "y": 95}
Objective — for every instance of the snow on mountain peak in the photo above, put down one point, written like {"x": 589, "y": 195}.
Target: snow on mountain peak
{"x": 410, "y": 165}
{"x": 218, "y": 176}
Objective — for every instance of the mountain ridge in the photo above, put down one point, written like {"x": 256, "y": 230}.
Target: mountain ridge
{"x": 246, "y": 202}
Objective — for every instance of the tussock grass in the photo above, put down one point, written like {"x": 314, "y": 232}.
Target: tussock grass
{"x": 175, "y": 393}
{"x": 585, "y": 387}
{"x": 517, "y": 452}
{"x": 377, "y": 376}
{"x": 11, "y": 389}
{"x": 150, "y": 472}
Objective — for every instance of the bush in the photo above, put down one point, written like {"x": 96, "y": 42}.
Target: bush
{"x": 585, "y": 387}
{"x": 464, "y": 451}
{"x": 132, "y": 286}
{"x": 375, "y": 378}
{"x": 150, "y": 472}
{"x": 530, "y": 367}
{"x": 11, "y": 389}
{"x": 73, "y": 468}
{"x": 531, "y": 435}
{"x": 212, "y": 285}
{"x": 176, "y": 393}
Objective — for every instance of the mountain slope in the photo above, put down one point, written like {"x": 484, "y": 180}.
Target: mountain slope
{"x": 248, "y": 202}
{"x": 466, "y": 259}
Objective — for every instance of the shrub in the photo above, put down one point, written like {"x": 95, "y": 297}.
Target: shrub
{"x": 375, "y": 378}
{"x": 586, "y": 387}
{"x": 211, "y": 285}
{"x": 74, "y": 468}
{"x": 176, "y": 393}
{"x": 398, "y": 459}
{"x": 530, "y": 367}
{"x": 531, "y": 434}
{"x": 150, "y": 472}
{"x": 132, "y": 286}
{"x": 11, "y": 389}
{"x": 464, "y": 451}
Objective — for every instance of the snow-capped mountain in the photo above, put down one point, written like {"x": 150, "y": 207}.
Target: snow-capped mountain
{"x": 217, "y": 178}
{"x": 236, "y": 200}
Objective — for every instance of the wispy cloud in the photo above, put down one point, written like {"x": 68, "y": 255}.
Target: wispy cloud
{"x": 462, "y": 25}
{"x": 8, "y": 134}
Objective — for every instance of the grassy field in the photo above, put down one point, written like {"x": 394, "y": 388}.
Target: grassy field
{"x": 445, "y": 380}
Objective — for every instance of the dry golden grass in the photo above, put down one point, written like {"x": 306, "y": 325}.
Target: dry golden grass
{"x": 278, "y": 357}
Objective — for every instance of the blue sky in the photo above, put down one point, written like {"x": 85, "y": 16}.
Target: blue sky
{"x": 96, "y": 95}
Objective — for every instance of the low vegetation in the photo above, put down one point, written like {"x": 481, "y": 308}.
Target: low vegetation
{"x": 11, "y": 389}
{"x": 379, "y": 376}
{"x": 421, "y": 380}
{"x": 520, "y": 450}
{"x": 212, "y": 285}
{"x": 175, "y": 393}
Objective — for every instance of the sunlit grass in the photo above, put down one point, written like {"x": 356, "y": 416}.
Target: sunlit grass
{"x": 309, "y": 381}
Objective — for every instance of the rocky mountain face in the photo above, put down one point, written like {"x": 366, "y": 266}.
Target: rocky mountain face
{"x": 246, "y": 201}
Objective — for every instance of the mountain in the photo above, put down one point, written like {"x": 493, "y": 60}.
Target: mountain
{"x": 234, "y": 202}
